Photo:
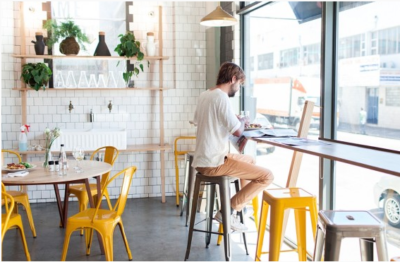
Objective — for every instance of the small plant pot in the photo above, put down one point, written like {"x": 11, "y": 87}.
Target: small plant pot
{"x": 69, "y": 46}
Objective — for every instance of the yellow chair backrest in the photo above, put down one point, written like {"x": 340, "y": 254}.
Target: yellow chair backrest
{"x": 110, "y": 155}
{"x": 126, "y": 183}
{"x": 8, "y": 201}
{"x": 11, "y": 152}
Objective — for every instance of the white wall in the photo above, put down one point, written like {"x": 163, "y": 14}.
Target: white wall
{"x": 137, "y": 111}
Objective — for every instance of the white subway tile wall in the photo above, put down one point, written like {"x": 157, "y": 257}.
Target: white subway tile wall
{"x": 137, "y": 112}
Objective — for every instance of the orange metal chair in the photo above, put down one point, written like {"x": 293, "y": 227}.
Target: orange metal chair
{"x": 10, "y": 219}
{"x": 178, "y": 153}
{"x": 102, "y": 220}
{"x": 20, "y": 197}
{"x": 281, "y": 199}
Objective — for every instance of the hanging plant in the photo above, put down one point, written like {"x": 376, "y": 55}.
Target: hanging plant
{"x": 130, "y": 47}
{"x": 36, "y": 75}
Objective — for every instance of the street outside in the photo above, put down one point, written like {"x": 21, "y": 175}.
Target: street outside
{"x": 354, "y": 185}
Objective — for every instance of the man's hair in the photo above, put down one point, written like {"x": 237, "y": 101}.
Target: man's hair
{"x": 227, "y": 71}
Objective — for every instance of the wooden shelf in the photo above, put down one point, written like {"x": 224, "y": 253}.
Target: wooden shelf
{"x": 130, "y": 148}
{"x": 149, "y": 58}
{"x": 95, "y": 88}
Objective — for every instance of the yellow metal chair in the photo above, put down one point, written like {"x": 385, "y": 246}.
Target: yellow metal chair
{"x": 20, "y": 197}
{"x": 10, "y": 219}
{"x": 79, "y": 190}
{"x": 178, "y": 153}
{"x": 281, "y": 199}
{"x": 102, "y": 220}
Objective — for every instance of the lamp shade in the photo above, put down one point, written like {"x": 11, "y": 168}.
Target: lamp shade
{"x": 218, "y": 18}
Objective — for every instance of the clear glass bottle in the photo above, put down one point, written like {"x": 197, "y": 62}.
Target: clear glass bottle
{"x": 63, "y": 162}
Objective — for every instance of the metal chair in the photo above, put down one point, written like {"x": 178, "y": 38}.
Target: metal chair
{"x": 334, "y": 225}
{"x": 21, "y": 197}
{"x": 79, "y": 190}
{"x": 10, "y": 219}
{"x": 102, "y": 220}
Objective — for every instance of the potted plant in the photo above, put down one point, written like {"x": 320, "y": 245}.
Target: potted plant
{"x": 130, "y": 47}
{"x": 36, "y": 75}
{"x": 69, "y": 32}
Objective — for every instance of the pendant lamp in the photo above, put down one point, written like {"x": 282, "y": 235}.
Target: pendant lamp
{"x": 218, "y": 18}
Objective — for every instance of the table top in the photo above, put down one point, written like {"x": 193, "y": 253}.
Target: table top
{"x": 40, "y": 176}
{"x": 382, "y": 160}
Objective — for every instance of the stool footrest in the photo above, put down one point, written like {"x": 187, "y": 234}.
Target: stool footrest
{"x": 210, "y": 232}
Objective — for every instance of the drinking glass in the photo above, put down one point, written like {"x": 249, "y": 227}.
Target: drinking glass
{"x": 78, "y": 154}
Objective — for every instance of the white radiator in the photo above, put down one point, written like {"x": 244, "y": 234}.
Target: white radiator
{"x": 90, "y": 139}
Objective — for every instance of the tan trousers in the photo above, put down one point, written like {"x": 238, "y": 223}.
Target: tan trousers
{"x": 243, "y": 167}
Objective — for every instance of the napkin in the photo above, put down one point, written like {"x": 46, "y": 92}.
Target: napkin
{"x": 19, "y": 173}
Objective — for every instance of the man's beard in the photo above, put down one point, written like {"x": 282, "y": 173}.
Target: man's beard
{"x": 231, "y": 92}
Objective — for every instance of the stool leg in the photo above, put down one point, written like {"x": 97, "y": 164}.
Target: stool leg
{"x": 300, "y": 217}
{"x": 261, "y": 229}
{"x": 209, "y": 212}
{"x": 319, "y": 244}
{"x": 367, "y": 249}
{"x": 192, "y": 216}
{"x": 381, "y": 246}
{"x": 275, "y": 232}
{"x": 226, "y": 219}
{"x": 332, "y": 246}
{"x": 185, "y": 187}
{"x": 192, "y": 178}
{"x": 237, "y": 188}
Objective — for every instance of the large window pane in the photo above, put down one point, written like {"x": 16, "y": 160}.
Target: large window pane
{"x": 282, "y": 41}
{"x": 368, "y": 102}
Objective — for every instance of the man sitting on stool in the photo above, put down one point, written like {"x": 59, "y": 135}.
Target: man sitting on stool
{"x": 216, "y": 121}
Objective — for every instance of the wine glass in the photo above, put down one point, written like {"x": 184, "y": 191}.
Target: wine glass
{"x": 78, "y": 154}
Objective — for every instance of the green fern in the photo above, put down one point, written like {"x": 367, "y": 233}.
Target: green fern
{"x": 63, "y": 30}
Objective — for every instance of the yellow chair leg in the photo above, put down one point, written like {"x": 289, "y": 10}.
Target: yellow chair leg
{"x": 300, "y": 217}
{"x": 276, "y": 224}
{"x": 128, "y": 250}
{"x": 68, "y": 232}
{"x": 21, "y": 231}
{"x": 261, "y": 230}
{"x": 314, "y": 217}
{"x": 25, "y": 203}
{"x": 220, "y": 230}
{"x": 255, "y": 211}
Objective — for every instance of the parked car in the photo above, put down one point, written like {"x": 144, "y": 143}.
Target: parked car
{"x": 264, "y": 149}
{"x": 387, "y": 196}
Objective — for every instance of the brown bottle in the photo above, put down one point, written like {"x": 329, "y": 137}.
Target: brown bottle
{"x": 102, "y": 49}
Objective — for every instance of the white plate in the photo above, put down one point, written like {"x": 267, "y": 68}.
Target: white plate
{"x": 16, "y": 170}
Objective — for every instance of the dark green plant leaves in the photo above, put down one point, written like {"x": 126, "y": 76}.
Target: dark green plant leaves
{"x": 36, "y": 75}
{"x": 129, "y": 47}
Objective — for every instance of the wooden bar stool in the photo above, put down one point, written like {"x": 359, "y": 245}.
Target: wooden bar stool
{"x": 281, "y": 199}
{"x": 334, "y": 225}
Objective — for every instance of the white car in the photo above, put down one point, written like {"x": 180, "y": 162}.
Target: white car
{"x": 387, "y": 196}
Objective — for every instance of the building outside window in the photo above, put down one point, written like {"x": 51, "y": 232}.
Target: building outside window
{"x": 368, "y": 80}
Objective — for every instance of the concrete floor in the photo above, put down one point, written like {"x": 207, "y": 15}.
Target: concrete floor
{"x": 155, "y": 232}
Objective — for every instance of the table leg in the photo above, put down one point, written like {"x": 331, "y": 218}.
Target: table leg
{"x": 91, "y": 202}
{"x": 59, "y": 204}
